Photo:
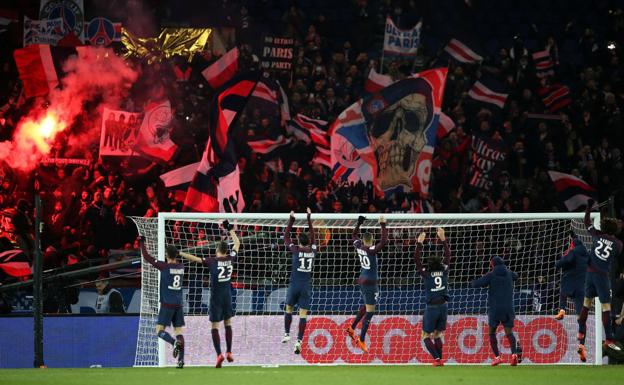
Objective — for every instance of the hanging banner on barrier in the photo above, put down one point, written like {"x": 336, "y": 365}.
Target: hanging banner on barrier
{"x": 391, "y": 339}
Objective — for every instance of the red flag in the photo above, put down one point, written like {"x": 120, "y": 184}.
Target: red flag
{"x": 445, "y": 125}
{"x": 461, "y": 52}
{"x": 223, "y": 69}
{"x": 482, "y": 93}
{"x": 36, "y": 69}
{"x": 216, "y": 184}
{"x": 376, "y": 82}
{"x": 14, "y": 263}
{"x": 572, "y": 191}
{"x": 555, "y": 97}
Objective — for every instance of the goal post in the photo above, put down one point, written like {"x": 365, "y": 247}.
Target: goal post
{"x": 532, "y": 243}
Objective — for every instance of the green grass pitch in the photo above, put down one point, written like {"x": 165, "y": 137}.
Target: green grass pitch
{"x": 322, "y": 375}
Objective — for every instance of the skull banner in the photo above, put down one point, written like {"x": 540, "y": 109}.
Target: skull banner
{"x": 394, "y": 131}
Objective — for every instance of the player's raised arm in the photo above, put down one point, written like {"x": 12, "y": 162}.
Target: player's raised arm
{"x": 311, "y": 228}
{"x": 355, "y": 235}
{"x": 151, "y": 260}
{"x": 230, "y": 229}
{"x": 291, "y": 221}
{"x": 568, "y": 256}
{"x": 417, "y": 254}
{"x": 191, "y": 257}
{"x": 447, "y": 249}
{"x": 587, "y": 220}
{"x": 384, "y": 234}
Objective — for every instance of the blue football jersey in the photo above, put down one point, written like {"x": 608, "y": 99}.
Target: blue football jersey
{"x": 604, "y": 249}
{"x": 436, "y": 285}
{"x": 369, "y": 270}
{"x": 171, "y": 280}
{"x": 368, "y": 261}
{"x": 221, "y": 269}
{"x": 302, "y": 259}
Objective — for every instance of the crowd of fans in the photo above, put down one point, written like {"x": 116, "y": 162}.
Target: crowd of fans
{"x": 86, "y": 207}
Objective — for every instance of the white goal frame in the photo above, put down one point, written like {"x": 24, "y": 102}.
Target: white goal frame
{"x": 163, "y": 217}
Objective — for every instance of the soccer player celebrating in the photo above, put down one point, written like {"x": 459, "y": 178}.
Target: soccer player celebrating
{"x": 573, "y": 264}
{"x": 605, "y": 247}
{"x": 369, "y": 276}
{"x": 499, "y": 282}
{"x": 171, "y": 312}
{"x": 221, "y": 268}
{"x": 299, "y": 290}
{"x": 435, "y": 278}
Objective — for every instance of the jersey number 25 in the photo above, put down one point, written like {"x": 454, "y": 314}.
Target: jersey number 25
{"x": 602, "y": 251}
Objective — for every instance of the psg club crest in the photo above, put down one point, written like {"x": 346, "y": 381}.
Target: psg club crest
{"x": 376, "y": 104}
{"x": 101, "y": 31}
{"x": 69, "y": 11}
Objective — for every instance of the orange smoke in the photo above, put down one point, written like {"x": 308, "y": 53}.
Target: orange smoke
{"x": 38, "y": 133}
{"x": 32, "y": 141}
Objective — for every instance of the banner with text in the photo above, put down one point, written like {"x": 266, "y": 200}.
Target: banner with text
{"x": 488, "y": 157}
{"x": 277, "y": 53}
{"x": 48, "y": 31}
{"x": 401, "y": 41}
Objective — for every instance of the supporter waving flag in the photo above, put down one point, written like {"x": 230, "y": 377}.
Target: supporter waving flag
{"x": 394, "y": 131}
{"x": 572, "y": 191}
{"x": 216, "y": 185}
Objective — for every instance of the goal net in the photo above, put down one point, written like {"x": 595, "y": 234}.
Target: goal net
{"x": 532, "y": 244}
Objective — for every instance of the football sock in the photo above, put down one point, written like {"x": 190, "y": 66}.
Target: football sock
{"x": 438, "y": 346}
{"x": 431, "y": 348}
{"x": 582, "y": 322}
{"x": 365, "y": 324}
{"x": 512, "y": 342}
{"x": 180, "y": 338}
{"x": 582, "y": 330}
{"x": 216, "y": 341}
{"x": 358, "y": 317}
{"x": 302, "y": 326}
{"x": 166, "y": 336}
{"x": 287, "y": 322}
{"x": 228, "y": 338}
{"x": 494, "y": 344}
